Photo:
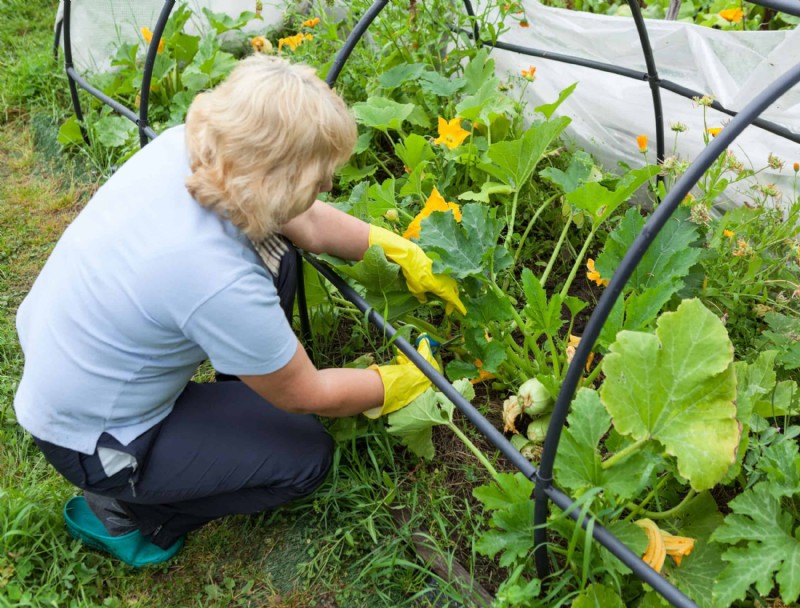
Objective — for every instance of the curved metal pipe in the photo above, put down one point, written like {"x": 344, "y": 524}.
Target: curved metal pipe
{"x": 637, "y": 250}
{"x": 652, "y": 78}
{"x": 147, "y": 77}
{"x": 358, "y": 32}
{"x": 73, "y": 88}
{"x": 790, "y": 7}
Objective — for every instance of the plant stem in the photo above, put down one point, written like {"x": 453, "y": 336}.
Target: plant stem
{"x": 636, "y": 509}
{"x": 472, "y": 448}
{"x": 673, "y": 512}
{"x": 578, "y": 262}
{"x": 624, "y": 453}
{"x": 510, "y": 228}
{"x": 535, "y": 217}
{"x": 556, "y": 251}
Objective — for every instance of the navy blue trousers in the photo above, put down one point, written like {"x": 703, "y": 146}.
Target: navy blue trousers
{"x": 223, "y": 450}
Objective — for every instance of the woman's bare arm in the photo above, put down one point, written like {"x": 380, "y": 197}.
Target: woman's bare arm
{"x": 325, "y": 229}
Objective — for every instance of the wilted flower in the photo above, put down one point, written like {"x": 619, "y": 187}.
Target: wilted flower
{"x": 311, "y": 22}
{"x": 661, "y": 543}
{"x": 714, "y": 131}
{"x": 775, "y": 162}
{"x": 260, "y": 44}
{"x": 530, "y": 73}
{"x": 700, "y": 215}
{"x": 641, "y": 141}
{"x": 678, "y": 127}
{"x": 593, "y": 275}
{"x": 761, "y": 309}
{"x": 450, "y": 133}
{"x": 511, "y": 411}
{"x": 734, "y": 15}
{"x": 434, "y": 203}
{"x": 574, "y": 341}
{"x": 148, "y": 37}
{"x": 733, "y": 163}
{"x": 743, "y": 249}
{"x": 705, "y": 100}
{"x": 770, "y": 190}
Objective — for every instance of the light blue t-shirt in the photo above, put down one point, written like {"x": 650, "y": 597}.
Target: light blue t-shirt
{"x": 141, "y": 288}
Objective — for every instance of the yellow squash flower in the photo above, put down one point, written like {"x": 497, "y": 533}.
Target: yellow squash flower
{"x": 734, "y": 15}
{"x": 311, "y": 22}
{"x": 482, "y": 373}
{"x": 435, "y": 202}
{"x": 260, "y": 44}
{"x": 148, "y": 37}
{"x": 294, "y": 41}
{"x": 641, "y": 141}
{"x": 450, "y": 133}
{"x": 661, "y": 543}
{"x": 593, "y": 275}
{"x": 713, "y": 131}
{"x": 574, "y": 341}
{"x": 530, "y": 73}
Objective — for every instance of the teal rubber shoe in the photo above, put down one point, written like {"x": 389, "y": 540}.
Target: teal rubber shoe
{"x": 132, "y": 548}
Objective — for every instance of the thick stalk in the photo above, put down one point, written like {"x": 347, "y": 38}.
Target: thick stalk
{"x": 556, "y": 251}
{"x": 510, "y": 227}
{"x": 636, "y": 509}
{"x": 478, "y": 454}
{"x": 673, "y": 512}
{"x": 624, "y": 453}
{"x": 578, "y": 262}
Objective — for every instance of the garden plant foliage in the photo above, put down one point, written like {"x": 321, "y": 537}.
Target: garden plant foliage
{"x": 686, "y": 413}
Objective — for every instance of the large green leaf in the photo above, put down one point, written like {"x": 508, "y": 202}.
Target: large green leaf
{"x": 441, "y": 86}
{"x": 385, "y": 285}
{"x": 549, "y": 109}
{"x": 767, "y": 548}
{"x": 600, "y": 202}
{"x": 414, "y": 150}
{"x": 669, "y": 257}
{"x": 382, "y": 113}
{"x": 581, "y": 169}
{"x": 678, "y": 388}
{"x": 579, "y": 464}
{"x": 486, "y": 105}
{"x": 514, "y": 161}
{"x": 222, "y": 22}
{"x": 543, "y": 313}
{"x": 509, "y": 499}
{"x": 414, "y": 422}
{"x": 467, "y": 248}
{"x": 394, "y": 77}
{"x": 598, "y": 596}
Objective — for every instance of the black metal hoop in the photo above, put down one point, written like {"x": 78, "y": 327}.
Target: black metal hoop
{"x": 545, "y": 490}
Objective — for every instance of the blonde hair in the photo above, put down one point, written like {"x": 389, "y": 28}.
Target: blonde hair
{"x": 263, "y": 142}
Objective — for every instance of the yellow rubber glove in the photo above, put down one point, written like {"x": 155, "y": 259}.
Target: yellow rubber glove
{"x": 402, "y": 381}
{"x": 417, "y": 268}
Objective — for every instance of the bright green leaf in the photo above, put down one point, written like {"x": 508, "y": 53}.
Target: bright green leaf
{"x": 114, "y": 131}
{"x": 579, "y": 171}
{"x": 549, "y": 108}
{"x": 382, "y": 113}
{"x": 598, "y": 596}
{"x": 487, "y": 189}
{"x": 600, "y": 202}
{"x": 514, "y": 161}
{"x": 766, "y": 548}
{"x": 441, "y": 86}
{"x": 414, "y": 150}
{"x": 677, "y": 387}
{"x": 69, "y": 134}
{"x": 394, "y": 77}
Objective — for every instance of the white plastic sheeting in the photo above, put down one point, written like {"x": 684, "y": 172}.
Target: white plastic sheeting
{"x": 609, "y": 111}
{"x": 98, "y": 27}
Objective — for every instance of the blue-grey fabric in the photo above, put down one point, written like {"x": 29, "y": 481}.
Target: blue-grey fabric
{"x": 223, "y": 450}
{"x": 142, "y": 287}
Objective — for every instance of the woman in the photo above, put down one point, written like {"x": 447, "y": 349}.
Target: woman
{"x": 182, "y": 256}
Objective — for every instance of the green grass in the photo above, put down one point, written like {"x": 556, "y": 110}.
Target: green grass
{"x": 341, "y": 547}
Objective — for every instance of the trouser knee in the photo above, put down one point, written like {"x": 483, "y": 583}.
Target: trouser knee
{"x": 319, "y": 457}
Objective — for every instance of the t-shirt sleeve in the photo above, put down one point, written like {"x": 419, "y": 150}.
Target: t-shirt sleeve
{"x": 242, "y": 328}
